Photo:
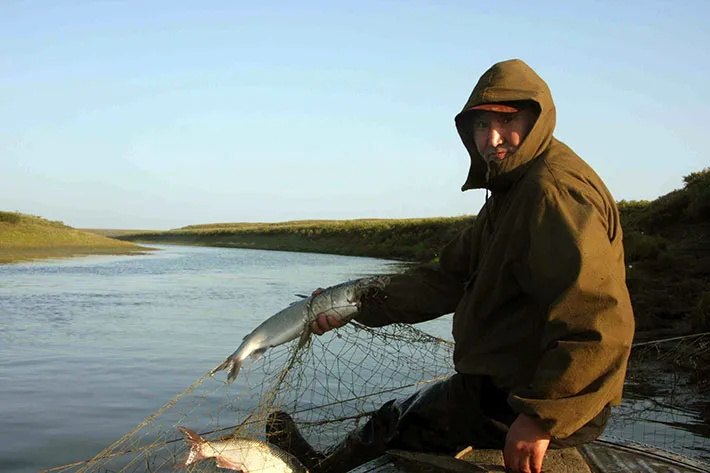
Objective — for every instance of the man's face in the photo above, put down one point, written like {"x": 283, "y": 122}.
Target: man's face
{"x": 498, "y": 135}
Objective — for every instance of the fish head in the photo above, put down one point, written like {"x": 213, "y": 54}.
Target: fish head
{"x": 367, "y": 285}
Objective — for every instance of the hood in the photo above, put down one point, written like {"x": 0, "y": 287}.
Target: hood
{"x": 508, "y": 81}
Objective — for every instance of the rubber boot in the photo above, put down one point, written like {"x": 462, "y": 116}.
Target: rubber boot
{"x": 363, "y": 444}
{"x": 282, "y": 431}
{"x": 360, "y": 446}
{"x": 350, "y": 453}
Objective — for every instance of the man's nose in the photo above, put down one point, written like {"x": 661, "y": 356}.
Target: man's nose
{"x": 494, "y": 138}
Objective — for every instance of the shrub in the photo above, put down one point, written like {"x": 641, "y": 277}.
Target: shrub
{"x": 666, "y": 210}
{"x": 10, "y": 217}
{"x": 690, "y": 204}
{"x": 700, "y": 178}
{"x": 639, "y": 246}
{"x": 697, "y": 185}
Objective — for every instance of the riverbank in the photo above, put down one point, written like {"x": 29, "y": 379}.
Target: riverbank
{"x": 415, "y": 240}
{"x": 27, "y": 237}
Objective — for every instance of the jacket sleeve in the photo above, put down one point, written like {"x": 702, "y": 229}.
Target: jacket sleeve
{"x": 425, "y": 293}
{"x": 574, "y": 271}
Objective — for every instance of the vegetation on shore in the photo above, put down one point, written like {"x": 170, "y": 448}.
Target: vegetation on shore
{"x": 667, "y": 245}
{"x": 26, "y": 237}
{"x": 404, "y": 239}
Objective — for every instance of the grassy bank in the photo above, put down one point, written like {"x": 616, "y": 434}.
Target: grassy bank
{"x": 26, "y": 237}
{"x": 405, "y": 239}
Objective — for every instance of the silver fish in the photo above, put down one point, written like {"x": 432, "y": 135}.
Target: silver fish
{"x": 245, "y": 455}
{"x": 341, "y": 301}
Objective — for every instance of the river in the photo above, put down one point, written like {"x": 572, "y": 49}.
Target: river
{"x": 90, "y": 346}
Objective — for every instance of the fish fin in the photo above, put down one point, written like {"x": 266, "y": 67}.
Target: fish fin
{"x": 181, "y": 463}
{"x": 257, "y": 354}
{"x": 222, "y": 366}
{"x": 222, "y": 462}
{"x": 234, "y": 371}
{"x": 305, "y": 336}
{"x": 191, "y": 437}
{"x": 302, "y": 296}
{"x": 194, "y": 441}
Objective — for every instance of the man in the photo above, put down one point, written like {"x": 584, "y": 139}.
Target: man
{"x": 542, "y": 318}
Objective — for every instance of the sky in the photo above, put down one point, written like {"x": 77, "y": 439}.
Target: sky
{"x": 160, "y": 114}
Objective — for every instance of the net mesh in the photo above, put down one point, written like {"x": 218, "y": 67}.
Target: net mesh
{"x": 666, "y": 405}
{"x": 332, "y": 383}
{"x": 329, "y": 385}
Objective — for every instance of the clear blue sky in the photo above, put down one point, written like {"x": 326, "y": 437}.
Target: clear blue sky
{"x": 159, "y": 114}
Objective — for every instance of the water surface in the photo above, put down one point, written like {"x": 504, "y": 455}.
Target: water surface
{"x": 91, "y": 346}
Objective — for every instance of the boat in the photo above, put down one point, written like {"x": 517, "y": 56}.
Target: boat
{"x": 600, "y": 456}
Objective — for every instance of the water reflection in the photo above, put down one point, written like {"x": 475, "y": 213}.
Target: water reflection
{"x": 663, "y": 406}
{"x": 91, "y": 346}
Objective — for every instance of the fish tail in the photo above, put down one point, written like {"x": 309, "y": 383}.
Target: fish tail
{"x": 233, "y": 364}
{"x": 194, "y": 441}
{"x": 224, "y": 365}
{"x": 234, "y": 371}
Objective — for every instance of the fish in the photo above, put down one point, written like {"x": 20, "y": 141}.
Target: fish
{"x": 240, "y": 454}
{"x": 341, "y": 301}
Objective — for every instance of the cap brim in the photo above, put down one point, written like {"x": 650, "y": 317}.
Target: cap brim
{"x": 495, "y": 107}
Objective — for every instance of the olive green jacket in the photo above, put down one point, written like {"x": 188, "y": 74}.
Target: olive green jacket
{"x": 537, "y": 284}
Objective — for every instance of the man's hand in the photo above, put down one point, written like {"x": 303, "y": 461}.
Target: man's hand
{"x": 324, "y": 323}
{"x": 525, "y": 446}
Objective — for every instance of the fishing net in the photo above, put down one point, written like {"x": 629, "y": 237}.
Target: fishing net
{"x": 329, "y": 385}
{"x": 332, "y": 383}
{"x": 666, "y": 404}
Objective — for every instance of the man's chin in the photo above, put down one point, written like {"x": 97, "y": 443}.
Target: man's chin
{"x": 493, "y": 157}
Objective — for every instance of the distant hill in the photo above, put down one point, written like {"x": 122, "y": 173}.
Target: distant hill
{"x": 26, "y": 237}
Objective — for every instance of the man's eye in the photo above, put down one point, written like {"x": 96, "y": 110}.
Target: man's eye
{"x": 508, "y": 119}
{"x": 479, "y": 124}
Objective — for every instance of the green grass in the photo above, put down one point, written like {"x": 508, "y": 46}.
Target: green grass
{"x": 27, "y": 237}
{"x": 417, "y": 239}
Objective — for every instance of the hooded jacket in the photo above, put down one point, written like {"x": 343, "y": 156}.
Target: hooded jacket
{"x": 537, "y": 283}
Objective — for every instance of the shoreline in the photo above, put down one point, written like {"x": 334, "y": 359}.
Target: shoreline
{"x": 35, "y": 254}
{"x": 27, "y": 238}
